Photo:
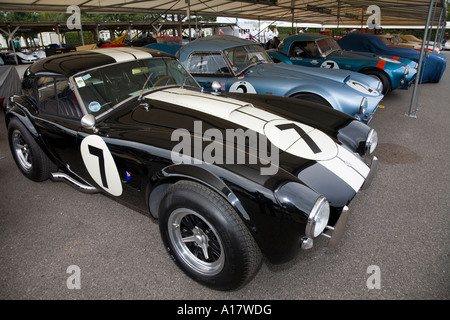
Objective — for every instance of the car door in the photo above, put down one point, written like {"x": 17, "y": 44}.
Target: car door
{"x": 306, "y": 53}
{"x": 59, "y": 119}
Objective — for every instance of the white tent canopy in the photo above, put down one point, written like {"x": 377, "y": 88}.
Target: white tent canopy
{"x": 393, "y": 12}
{"x": 426, "y": 13}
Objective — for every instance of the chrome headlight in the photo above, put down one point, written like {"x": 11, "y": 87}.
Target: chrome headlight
{"x": 371, "y": 142}
{"x": 380, "y": 87}
{"x": 406, "y": 72}
{"x": 298, "y": 199}
{"x": 318, "y": 218}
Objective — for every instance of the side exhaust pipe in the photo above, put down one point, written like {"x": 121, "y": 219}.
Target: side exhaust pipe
{"x": 86, "y": 188}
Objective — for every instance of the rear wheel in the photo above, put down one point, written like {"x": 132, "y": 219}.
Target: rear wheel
{"x": 206, "y": 238}
{"x": 29, "y": 157}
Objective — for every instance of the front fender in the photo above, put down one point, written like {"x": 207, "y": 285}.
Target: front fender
{"x": 173, "y": 173}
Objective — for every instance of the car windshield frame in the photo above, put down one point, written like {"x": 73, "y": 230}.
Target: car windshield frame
{"x": 327, "y": 46}
{"x": 101, "y": 90}
{"x": 241, "y": 58}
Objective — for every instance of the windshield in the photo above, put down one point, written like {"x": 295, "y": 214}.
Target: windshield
{"x": 327, "y": 46}
{"x": 103, "y": 88}
{"x": 243, "y": 57}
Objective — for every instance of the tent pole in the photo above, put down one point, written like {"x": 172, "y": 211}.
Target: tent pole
{"x": 439, "y": 30}
{"x": 412, "y": 108}
{"x": 188, "y": 13}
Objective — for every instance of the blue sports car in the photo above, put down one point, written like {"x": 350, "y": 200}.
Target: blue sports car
{"x": 322, "y": 51}
{"x": 241, "y": 65}
{"x": 433, "y": 66}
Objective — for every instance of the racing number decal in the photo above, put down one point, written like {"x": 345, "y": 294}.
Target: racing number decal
{"x": 100, "y": 164}
{"x": 329, "y": 64}
{"x": 310, "y": 142}
{"x": 300, "y": 139}
{"x": 242, "y": 87}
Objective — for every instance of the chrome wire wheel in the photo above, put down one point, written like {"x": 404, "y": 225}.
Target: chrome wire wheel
{"x": 22, "y": 150}
{"x": 196, "y": 241}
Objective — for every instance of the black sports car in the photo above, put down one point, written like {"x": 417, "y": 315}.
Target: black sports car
{"x": 229, "y": 178}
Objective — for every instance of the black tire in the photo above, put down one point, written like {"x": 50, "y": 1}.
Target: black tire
{"x": 381, "y": 76}
{"x": 27, "y": 154}
{"x": 206, "y": 238}
{"x": 312, "y": 98}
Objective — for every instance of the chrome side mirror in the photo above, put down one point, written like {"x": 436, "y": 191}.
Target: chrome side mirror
{"x": 216, "y": 87}
{"x": 88, "y": 122}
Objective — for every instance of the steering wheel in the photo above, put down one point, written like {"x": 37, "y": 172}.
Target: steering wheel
{"x": 167, "y": 78}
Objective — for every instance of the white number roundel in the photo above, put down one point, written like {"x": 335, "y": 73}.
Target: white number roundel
{"x": 329, "y": 64}
{"x": 242, "y": 87}
{"x": 100, "y": 164}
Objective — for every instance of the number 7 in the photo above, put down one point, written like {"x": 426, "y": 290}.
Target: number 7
{"x": 101, "y": 161}
{"x": 310, "y": 142}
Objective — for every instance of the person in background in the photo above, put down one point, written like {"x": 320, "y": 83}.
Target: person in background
{"x": 17, "y": 44}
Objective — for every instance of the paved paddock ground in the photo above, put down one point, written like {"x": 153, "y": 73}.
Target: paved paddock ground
{"x": 398, "y": 227}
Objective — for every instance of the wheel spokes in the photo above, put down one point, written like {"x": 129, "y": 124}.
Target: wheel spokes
{"x": 22, "y": 151}
{"x": 196, "y": 241}
{"x": 199, "y": 239}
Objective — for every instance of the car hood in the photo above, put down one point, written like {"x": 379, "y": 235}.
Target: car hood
{"x": 300, "y": 143}
{"x": 297, "y": 72}
{"x": 371, "y": 57}
{"x": 294, "y": 71}
{"x": 355, "y": 56}
{"x": 244, "y": 115}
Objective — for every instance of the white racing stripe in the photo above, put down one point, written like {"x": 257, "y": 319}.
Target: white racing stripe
{"x": 217, "y": 106}
{"x": 348, "y": 167}
{"x": 353, "y": 161}
{"x": 122, "y": 54}
{"x": 139, "y": 54}
{"x": 348, "y": 174}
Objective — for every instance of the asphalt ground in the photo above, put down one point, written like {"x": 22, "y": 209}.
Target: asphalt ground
{"x": 396, "y": 246}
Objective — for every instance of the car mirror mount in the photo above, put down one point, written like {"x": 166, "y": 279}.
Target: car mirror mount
{"x": 88, "y": 122}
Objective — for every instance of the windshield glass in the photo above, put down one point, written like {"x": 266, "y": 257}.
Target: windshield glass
{"x": 327, "y": 46}
{"x": 103, "y": 88}
{"x": 243, "y": 57}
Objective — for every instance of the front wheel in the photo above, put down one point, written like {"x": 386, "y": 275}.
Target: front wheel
{"x": 380, "y": 76}
{"x": 206, "y": 238}
{"x": 312, "y": 98}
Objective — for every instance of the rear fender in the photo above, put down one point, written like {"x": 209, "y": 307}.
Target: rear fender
{"x": 19, "y": 113}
